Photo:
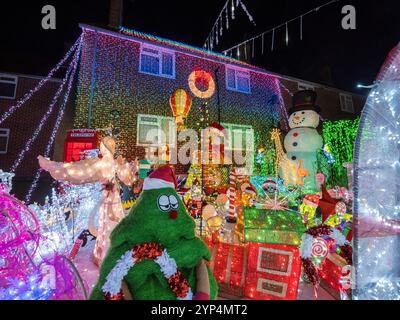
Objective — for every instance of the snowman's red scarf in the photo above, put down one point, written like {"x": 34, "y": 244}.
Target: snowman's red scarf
{"x": 150, "y": 251}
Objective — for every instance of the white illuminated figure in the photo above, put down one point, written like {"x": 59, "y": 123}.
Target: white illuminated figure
{"x": 104, "y": 170}
{"x": 303, "y": 141}
{"x": 377, "y": 189}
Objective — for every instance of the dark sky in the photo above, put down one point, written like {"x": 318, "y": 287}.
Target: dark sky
{"x": 327, "y": 54}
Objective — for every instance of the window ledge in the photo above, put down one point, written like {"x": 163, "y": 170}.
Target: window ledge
{"x": 158, "y": 75}
{"x": 239, "y": 91}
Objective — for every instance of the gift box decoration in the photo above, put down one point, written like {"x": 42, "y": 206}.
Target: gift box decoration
{"x": 273, "y": 272}
{"x": 272, "y": 227}
{"x": 332, "y": 271}
{"x": 229, "y": 265}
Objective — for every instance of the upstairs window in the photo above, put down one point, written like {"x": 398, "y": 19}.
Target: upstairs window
{"x": 8, "y": 86}
{"x": 4, "y": 137}
{"x": 238, "y": 80}
{"x": 346, "y": 103}
{"x": 157, "y": 62}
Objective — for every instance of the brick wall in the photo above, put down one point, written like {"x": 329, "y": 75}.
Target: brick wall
{"x": 120, "y": 86}
{"x": 23, "y": 123}
{"x": 327, "y": 98}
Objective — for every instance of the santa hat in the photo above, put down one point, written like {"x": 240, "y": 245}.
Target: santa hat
{"x": 220, "y": 128}
{"x": 163, "y": 177}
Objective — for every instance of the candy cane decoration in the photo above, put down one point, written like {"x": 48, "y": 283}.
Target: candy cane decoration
{"x": 75, "y": 248}
{"x": 232, "y": 196}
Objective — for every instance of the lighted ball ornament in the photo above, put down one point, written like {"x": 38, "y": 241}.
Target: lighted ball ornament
{"x": 200, "y": 79}
{"x": 208, "y": 212}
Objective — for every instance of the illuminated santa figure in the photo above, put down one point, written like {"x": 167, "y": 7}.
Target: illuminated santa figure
{"x": 104, "y": 170}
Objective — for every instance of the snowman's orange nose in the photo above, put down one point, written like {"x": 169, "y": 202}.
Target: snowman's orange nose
{"x": 173, "y": 214}
{"x": 297, "y": 117}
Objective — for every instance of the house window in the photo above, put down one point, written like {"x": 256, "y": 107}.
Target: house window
{"x": 238, "y": 80}
{"x": 8, "y": 86}
{"x": 157, "y": 62}
{"x": 346, "y": 103}
{"x": 240, "y": 140}
{"x": 305, "y": 86}
{"x": 155, "y": 130}
{"x": 240, "y": 137}
{"x": 4, "y": 137}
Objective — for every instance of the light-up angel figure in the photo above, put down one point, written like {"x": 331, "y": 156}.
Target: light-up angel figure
{"x": 105, "y": 170}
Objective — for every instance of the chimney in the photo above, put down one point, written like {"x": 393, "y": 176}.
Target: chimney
{"x": 325, "y": 74}
{"x": 115, "y": 17}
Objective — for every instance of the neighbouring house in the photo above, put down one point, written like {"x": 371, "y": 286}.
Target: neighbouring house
{"x": 16, "y": 130}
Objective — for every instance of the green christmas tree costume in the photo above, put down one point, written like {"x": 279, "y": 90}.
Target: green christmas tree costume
{"x": 149, "y": 221}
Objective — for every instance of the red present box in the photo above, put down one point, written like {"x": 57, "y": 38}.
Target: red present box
{"x": 332, "y": 272}
{"x": 228, "y": 263}
{"x": 273, "y": 272}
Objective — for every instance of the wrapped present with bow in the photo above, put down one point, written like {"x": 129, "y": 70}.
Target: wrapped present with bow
{"x": 273, "y": 272}
{"x": 334, "y": 273}
{"x": 229, "y": 265}
{"x": 255, "y": 270}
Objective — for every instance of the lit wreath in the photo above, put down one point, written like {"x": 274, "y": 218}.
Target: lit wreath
{"x": 204, "y": 75}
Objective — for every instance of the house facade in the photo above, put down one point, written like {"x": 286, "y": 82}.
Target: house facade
{"x": 127, "y": 80}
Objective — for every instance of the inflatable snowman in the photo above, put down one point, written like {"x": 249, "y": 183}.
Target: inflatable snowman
{"x": 303, "y": 141}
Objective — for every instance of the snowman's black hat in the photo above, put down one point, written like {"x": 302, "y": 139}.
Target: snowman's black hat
{"x": 304, "y": 100}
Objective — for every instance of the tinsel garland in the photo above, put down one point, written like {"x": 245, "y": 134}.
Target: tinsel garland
{"x": 149, "y": 251}
{"x": 319, "y": 231}
{"x": 347, "y": 253}
{"x": 310, "y": 271}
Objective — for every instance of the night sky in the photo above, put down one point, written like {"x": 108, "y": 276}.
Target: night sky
{"x": 328, "y": 54}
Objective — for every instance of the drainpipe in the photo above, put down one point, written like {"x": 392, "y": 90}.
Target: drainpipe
{"x": 218, "y": 93}
{"x": 93, "y": 80}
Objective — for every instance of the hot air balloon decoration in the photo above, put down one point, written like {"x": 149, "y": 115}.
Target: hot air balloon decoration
{"x": 181, "y": 103}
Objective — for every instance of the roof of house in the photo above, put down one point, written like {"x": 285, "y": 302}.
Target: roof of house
{"x": 179, "y": 46}
{"x": 142, "y": 37}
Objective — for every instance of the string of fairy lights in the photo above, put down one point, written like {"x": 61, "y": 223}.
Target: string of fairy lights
{"x": 227, "y": 11}
{"x": 42, "y": 82}
{"x": 236, "y": 49}
{"x": 38, "y": 130}
{"x": 60, "y": 116}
